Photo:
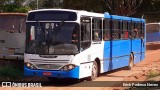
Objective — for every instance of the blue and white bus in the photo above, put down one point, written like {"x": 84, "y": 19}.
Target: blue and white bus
{"x": 63, "y": 43}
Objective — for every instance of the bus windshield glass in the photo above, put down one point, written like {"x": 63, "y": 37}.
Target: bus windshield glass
{"x": 52, "y": 38}
{"x": 52, "y": 16}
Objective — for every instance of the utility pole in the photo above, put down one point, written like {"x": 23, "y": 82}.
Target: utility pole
{"x": 37, "y": 4}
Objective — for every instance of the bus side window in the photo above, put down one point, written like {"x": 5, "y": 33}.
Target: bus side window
{"x": 139, "y": 26}
{"x": 143, "y": 30}
{"x": 85, "y": 33}
{"x": 116, "y": 30}
{"x": 129, "y": 26}
{"x": 124, "y": 30}
{"x": 134, "y": 30}
{"x": 97, "y": 29}
{"x": 106, "y": 30}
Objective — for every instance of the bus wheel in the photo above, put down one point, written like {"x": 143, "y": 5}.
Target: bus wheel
{"x": 52, "y": 79}
{"x": 94, "y": 72}
{"x": 131, "y": 61}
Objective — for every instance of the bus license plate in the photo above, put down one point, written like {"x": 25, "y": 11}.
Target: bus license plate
{"x": 47, "y": 73}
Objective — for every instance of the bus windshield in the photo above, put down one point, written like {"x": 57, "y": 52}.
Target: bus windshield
{"x": 53, "y": 38}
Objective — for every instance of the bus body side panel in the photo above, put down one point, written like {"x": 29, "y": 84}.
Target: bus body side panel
{"x": 87, "y": 57}
{"x": 107, "y": 63}
{"x": 116, "y": 54}
{"x": 120, "y": 53}
{"x": 137, "y": 50}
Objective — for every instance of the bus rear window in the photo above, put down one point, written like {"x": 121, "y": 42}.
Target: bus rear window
{"x": 52, "y": 16}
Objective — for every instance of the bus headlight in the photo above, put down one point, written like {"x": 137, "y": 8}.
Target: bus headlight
{"x": 30, "y": 66}
{"x": 68, "y": 67}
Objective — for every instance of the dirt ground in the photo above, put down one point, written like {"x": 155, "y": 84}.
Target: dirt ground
{"x": 137, "y": 73}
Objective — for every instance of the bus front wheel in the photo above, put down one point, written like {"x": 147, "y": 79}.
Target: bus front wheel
{"x": 131, "y": 61}
{"x": 94, "y": 72}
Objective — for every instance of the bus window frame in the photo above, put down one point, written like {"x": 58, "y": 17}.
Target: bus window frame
{"x": 97, "y": 29}
{"x": 106, "y": 29}
{"x": 117, "y": 29}
{"x": 85, "y": 41}
{"x": 125, "y": 31}
{"x": 143, "y": 30}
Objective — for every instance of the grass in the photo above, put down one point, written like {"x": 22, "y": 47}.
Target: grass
{"x": 153, "y": 74}
{"x": 10, "y": 73}
{"x": 150, "y": 75}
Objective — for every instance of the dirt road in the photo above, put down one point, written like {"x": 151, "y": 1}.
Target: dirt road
{"x": 137, "y": 73}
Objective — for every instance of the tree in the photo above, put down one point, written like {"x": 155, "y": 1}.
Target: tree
{"x": 45, "y": 4}
{"x": 88, "y": 5}
{"x": 150, "y": 10}
{"x": 1, "y": 5}
{"x": 122, "y": 7}
{"x": 13, "y": 6}
{"x": 52, "y": 3}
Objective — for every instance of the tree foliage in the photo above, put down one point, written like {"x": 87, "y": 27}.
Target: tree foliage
{"x": 138, "y": 8}
{"x": 13, "y": 6}
{"x": 88, "y": 5}
{"x": 122, "y": 7}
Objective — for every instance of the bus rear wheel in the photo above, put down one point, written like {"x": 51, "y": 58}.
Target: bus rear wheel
{"x": 94, "y": 72}
{"x": 131, "y": 61}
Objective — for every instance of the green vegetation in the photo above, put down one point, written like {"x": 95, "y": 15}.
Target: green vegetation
{"x": 153, "y": 74}
{"x": 10, "y": 73}
{"x": 11, "y": 70}
{"x": 148, "y": 9}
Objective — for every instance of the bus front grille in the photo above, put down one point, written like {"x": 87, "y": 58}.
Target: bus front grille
{"x": 49, "y": 64}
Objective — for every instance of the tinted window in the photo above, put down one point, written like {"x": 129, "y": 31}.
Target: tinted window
{"x": 85, "y": 32}
{"x": 52, "y": 16}
{"x": 125, "y": 32}
{"x": 116, "y": 32}
{"x": 106, "y": 30}
{"x": 97, "y": 29}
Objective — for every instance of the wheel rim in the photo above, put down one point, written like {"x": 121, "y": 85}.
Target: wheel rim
{"x": 94, "y": 71}
{"x": 131, "y": 61}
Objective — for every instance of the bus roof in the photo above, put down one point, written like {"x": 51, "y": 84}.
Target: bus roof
{"x": 138, "y": 20}
{"x": 53, "y": 10}
{"x": 120, "y": 17}
{"x": 106, "y": 15}
{"x": 13, "y": 14}
{"x": 80, "y": 12}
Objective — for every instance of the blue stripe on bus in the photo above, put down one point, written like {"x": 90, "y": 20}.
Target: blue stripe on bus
{"x": 59, "y": 74}
{"x": 113, "y": 49}
{"x": 117, "y": 53}
{"x": 120, "y": 17}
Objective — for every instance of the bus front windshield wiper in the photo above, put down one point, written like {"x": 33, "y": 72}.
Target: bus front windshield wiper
{"x": 56, "y": 31}
{"x": 52, "y": 36}
{"x": 59, "y": 27}
{"x": 43, "y": 35}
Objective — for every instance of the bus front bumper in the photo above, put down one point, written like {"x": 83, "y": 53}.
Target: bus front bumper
{"x": 52, "y": 73}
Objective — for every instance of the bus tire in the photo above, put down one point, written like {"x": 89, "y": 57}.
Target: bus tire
{"x": 131, "y": 61}
{"x": 94, "y": 72}
{"x": 52, "y": 79}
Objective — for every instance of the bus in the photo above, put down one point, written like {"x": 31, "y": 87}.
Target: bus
{"x": 64, "y": 43}
{"x": 152, "y": 32}
{"x": 12, "y": 35}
